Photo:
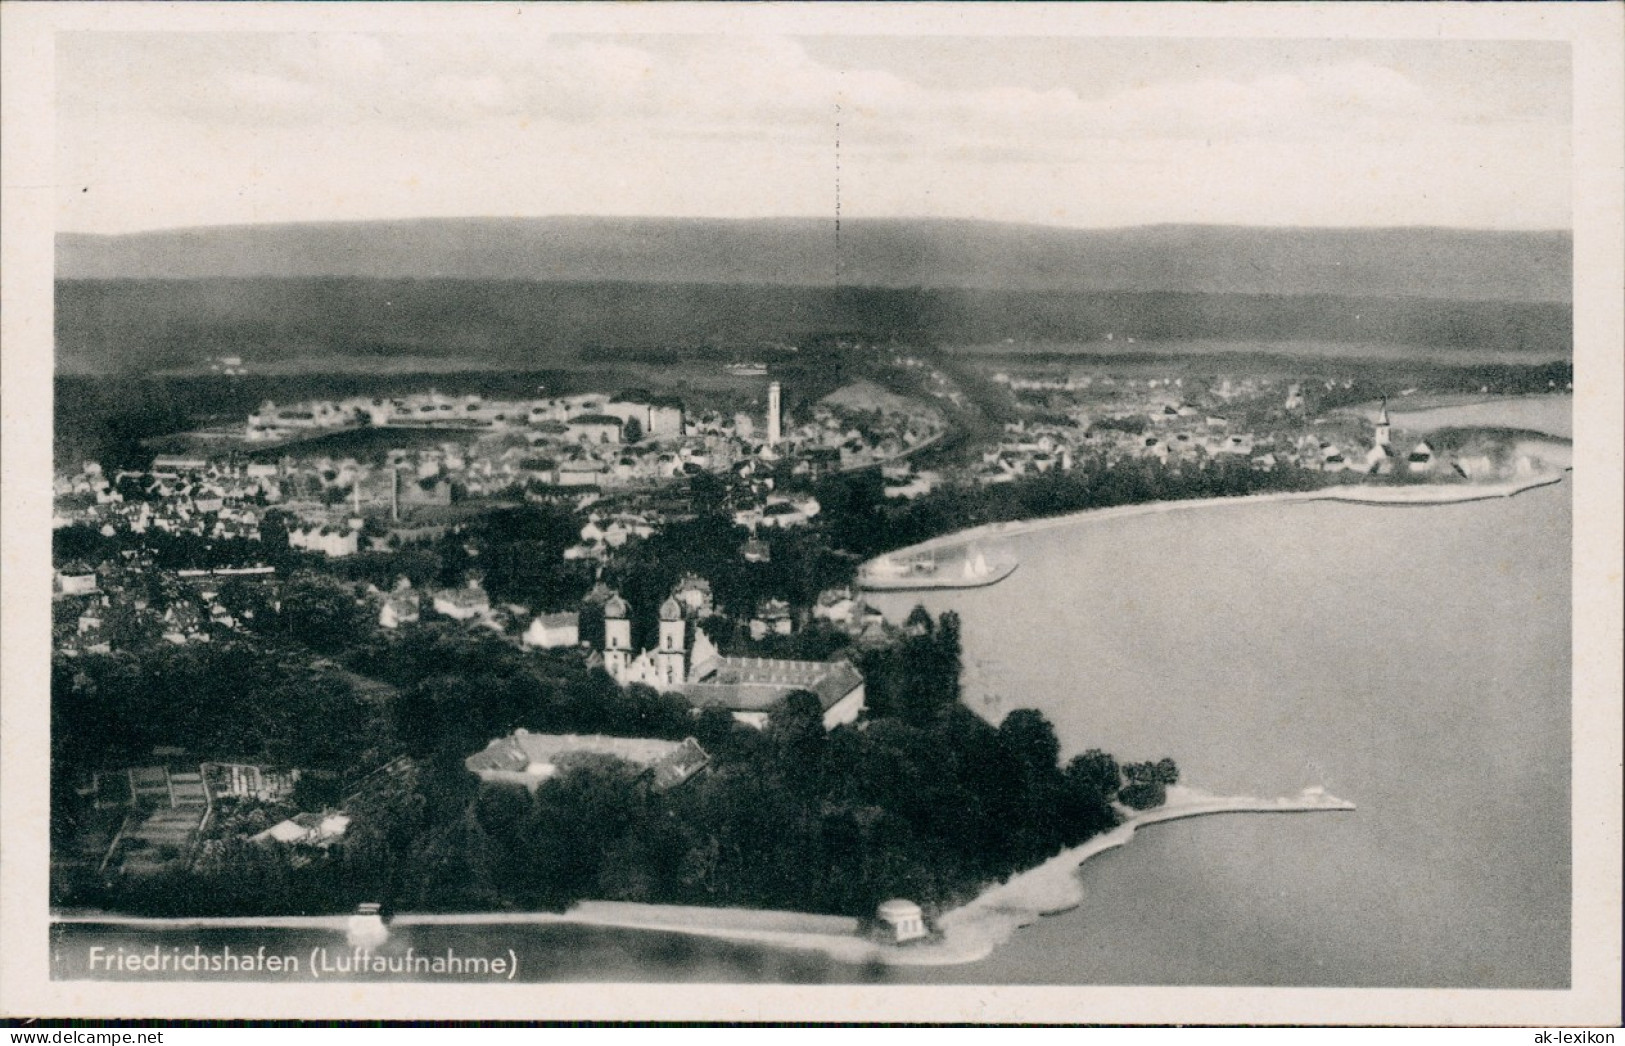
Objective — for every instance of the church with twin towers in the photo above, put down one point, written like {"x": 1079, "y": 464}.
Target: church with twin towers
{"x": 748, "y": 687}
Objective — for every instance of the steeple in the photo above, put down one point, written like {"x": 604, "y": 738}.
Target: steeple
{"x": 617, "y": 637}
{"x": 1382, "y": 433}
{"x": 669, "y": 656}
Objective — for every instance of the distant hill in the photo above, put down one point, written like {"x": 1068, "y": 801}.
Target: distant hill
{"x": 1453, "y": 264}
{"x": 107, "y": 326}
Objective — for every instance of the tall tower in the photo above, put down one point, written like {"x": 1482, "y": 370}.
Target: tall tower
{"x": 1382, "y": 434}
{"x": 617, "y": 637}
{"x": 773, "y": 414}
{"x": 669, "y": 656}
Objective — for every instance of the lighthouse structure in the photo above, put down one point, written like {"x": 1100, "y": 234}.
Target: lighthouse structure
{"x": 773, "y": 432}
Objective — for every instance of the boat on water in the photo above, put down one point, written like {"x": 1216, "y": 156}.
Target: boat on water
{"x": 893, "y": 574}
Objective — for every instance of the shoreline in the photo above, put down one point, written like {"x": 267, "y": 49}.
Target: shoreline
{"x": 1361, "y": 494}
{"x": 966, "y": 934}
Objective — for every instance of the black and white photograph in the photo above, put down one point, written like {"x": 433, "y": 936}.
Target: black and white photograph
{"x": 1083, "y": 513}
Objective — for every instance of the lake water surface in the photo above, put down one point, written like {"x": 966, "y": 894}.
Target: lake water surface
{"x": 1413, "y": 660}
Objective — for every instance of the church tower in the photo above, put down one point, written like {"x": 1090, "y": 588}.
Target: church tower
{"x": 669, "y": 655}
{"x": 1382, "y": 434}
{"x": 617, "y": 637}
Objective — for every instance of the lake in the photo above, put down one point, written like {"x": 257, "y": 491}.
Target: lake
{"x": 1413, "y": 660}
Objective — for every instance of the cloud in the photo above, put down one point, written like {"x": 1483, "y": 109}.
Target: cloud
{"x": 758, "y": 86}
{"x": 739, "y": 125}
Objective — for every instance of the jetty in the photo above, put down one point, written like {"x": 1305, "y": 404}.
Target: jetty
{"x": 925, "y": 571}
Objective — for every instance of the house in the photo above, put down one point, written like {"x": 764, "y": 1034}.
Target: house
{"x": 323, "y": 830}
{"x": 756, "y": 551}
{"x": 400, "y": 607}
{"x": 593, "y": 428}
{"x": 1474, "y": 466}
{"x": 772, "y": 618}
{"x": 528, "y": 759}
{"x": 1379, "y": 460}
{"x": 694, "y": 593}
{"x": 835, "y": 605}
{"x": 582, "y": 473}
{"x": 168, "y": 466}
{"x": 76, "y": 580}
{"x": 782, "y": 512}
{"x": 463, "y": 604}
{"x": 330, "y": 542}
{"x": 1421, "y": 458}
{"x": 551, "y": 631}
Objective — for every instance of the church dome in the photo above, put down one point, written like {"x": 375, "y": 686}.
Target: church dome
{"x": 615, "y": 607}
{"x": 671, "y": 610}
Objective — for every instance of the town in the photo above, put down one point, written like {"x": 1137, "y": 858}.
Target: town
{"x": 264, "y": 633}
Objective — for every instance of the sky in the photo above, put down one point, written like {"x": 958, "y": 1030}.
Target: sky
{"x": 175, "y": 129}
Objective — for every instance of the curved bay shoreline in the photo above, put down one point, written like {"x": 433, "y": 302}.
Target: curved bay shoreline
{"x": 966, "y": 934}
{"x": 1365, "y": 494}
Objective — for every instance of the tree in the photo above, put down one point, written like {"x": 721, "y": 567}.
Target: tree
{"x": 574, "y": 821}
{"x": 795, "y": 727}
{"x": 713, "y": 727}
{"x": 1144, "y": 795}
{"x": 1148, "y": 783}
{"x": 1095, "y": 772}
{"x": 322, "y": 613}
{"x": 1030, "y": 739}
{"x": 441, "y": 714}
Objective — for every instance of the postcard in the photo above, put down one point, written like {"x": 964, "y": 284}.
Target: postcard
{"x": 1095, "y": 513}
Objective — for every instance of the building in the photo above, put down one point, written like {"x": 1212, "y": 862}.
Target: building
{"x": 463, "y": 604}
{"x": 774, "y": 421}
{"x": 617, "y": 637}
{"x": 773, "y": 617}
{"x": 694, "y": 593}
{"x": 400, "y": 607}
{"x": 169, "y": 466}
{"x": 76, "y": 580}
{"x": 321, "y": 830}
{"x": 528, "y": 759}
{"x": 551, "y": 631}
{"x": 249, "y": 781}
{"x": 749, "y": 687}
{"x": 903, "y": 920}
{"x": 331, "y": 542}
{"x": 593, "y": 428}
